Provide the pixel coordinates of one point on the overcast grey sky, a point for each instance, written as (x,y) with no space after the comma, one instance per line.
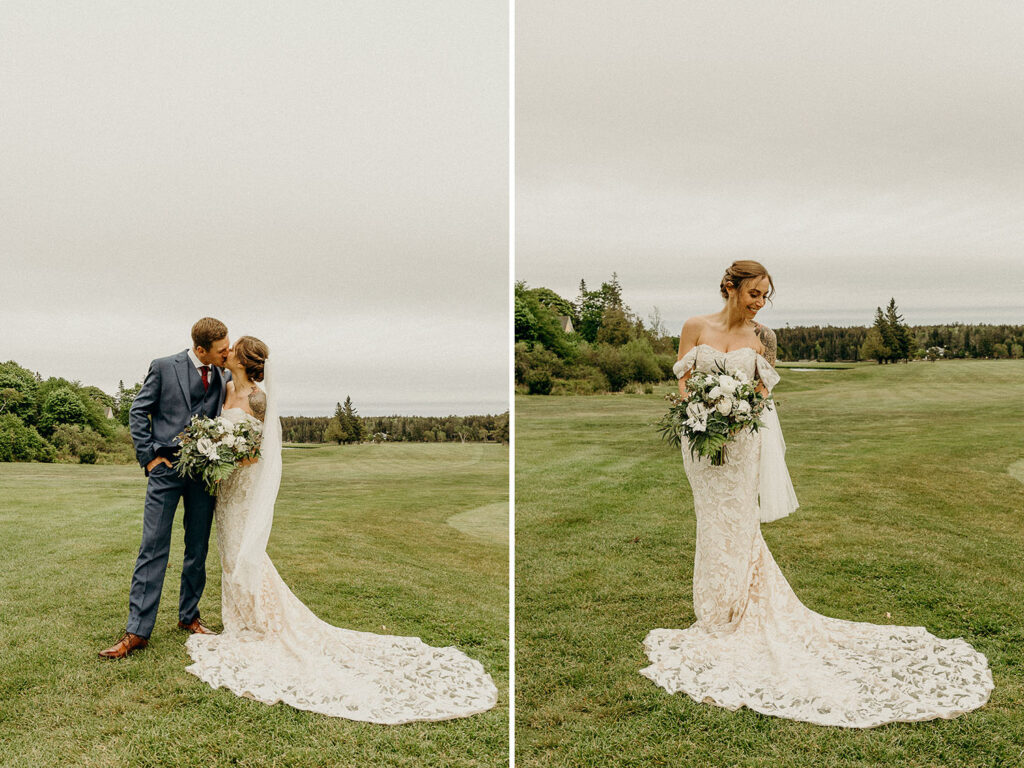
(330,177)
(859,150)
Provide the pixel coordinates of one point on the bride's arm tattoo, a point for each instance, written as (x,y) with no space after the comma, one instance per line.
(258,403)
(767,337)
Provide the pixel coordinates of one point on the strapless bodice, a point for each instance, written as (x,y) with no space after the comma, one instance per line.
(705,358)
(237,416)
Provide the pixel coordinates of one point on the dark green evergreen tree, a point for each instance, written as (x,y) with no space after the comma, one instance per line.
(902,338)
(592,306)
(589,311)
(353,424)
(873,348)
(335,432)
(123,400)
(888,336)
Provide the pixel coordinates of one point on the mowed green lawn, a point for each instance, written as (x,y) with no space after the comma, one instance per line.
(909,507)
(361,535)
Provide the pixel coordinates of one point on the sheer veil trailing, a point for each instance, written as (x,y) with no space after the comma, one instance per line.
(266,482)
(776,496)
(274,649)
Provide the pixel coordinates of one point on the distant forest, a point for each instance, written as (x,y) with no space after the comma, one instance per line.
(840,344)
(56,420)
(346,426)
(595,343)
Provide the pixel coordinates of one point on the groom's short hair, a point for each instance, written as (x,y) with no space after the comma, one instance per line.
(206,331)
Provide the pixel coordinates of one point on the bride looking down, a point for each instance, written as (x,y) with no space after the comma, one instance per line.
(754,643)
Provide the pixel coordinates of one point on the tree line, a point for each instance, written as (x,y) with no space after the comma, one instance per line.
(856,343)
(59,420)
(346,426)
(595,343)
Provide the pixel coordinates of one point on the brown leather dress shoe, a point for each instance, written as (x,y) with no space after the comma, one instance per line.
(127,644)
(196,627)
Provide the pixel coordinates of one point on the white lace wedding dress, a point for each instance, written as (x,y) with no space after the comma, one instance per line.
(273,648)
(755,644)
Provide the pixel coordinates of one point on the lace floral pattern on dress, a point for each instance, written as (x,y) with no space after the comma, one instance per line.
(273,648)
(755,644)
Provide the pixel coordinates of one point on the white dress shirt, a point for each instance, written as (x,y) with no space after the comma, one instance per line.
(197,362)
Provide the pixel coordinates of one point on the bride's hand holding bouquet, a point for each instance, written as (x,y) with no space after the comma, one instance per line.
(211,449)
(716,407)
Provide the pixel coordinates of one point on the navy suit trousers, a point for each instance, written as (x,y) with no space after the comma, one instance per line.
(166,487)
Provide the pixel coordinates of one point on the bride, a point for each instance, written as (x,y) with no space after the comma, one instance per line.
(273,648)
(754,643)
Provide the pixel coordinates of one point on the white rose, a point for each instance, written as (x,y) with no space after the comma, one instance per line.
(206,447)
(743,407)
(696,411)
(724,406)
(728,384)
(240,444)
(716,392)
(228,440)
(697,425)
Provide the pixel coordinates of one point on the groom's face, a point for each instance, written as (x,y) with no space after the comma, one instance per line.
(217,354)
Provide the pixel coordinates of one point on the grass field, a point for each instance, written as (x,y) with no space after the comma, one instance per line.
(369,537)
(910,484)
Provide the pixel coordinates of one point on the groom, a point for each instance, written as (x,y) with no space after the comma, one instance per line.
(190,383)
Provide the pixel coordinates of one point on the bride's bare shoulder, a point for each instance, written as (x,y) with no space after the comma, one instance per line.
(693,328)
(691,333)
(696,323)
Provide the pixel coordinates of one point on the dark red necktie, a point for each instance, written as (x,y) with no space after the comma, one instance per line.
(205,370)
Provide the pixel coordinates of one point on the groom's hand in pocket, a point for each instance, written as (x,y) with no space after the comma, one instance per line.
(158,460)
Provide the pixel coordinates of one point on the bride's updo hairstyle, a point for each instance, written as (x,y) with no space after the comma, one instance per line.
(252,354)
(740,271)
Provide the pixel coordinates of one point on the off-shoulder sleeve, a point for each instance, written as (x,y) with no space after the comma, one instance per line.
(766,373)
(685,363)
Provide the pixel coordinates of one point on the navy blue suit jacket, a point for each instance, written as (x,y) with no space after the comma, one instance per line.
(163,407)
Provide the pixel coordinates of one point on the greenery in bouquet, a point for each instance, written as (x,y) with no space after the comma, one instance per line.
(717,406)
(211,449)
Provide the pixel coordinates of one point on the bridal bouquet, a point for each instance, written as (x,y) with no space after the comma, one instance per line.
(717,406)
(211,449)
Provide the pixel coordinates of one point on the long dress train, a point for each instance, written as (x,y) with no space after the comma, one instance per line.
(755,644)
(273,648)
